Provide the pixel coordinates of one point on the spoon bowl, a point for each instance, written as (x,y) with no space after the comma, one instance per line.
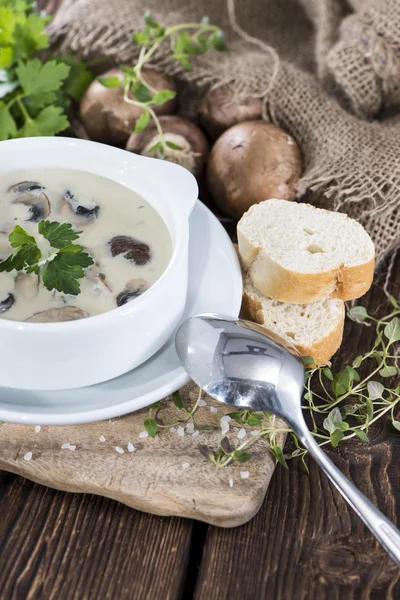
(246,366)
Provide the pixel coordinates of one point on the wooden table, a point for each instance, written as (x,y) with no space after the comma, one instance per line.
(304,543)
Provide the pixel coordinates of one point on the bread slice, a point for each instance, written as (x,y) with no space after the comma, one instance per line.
(298,253)
(315,329)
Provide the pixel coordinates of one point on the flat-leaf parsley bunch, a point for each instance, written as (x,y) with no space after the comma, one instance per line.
(34,95)
(61,268)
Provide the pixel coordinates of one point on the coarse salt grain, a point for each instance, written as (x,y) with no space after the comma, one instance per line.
(181,431)
(28,456)
(236,429)
(213,409)
(255,431)
(119,450)
(131,447)
(196,432)
(242,433)
(172,429)
(224,426)
(225,418)
(231,483)
(190,427)
(202,402)
(102,438)
(185,465)
(143,434)
(37,428)
(244,474)
(68,447)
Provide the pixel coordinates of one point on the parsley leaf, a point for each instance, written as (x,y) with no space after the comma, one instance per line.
(58,235)
(62,273)
(8,127)
(49,121)
(27,254)
(37,78)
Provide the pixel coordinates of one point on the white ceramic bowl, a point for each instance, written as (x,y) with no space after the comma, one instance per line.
(55,356)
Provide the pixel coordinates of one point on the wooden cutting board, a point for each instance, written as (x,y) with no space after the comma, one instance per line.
(166,475)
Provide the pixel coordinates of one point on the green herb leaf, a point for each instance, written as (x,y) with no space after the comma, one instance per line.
(328,373)
(342,425)
(148,19)
(394,302)
(330,421)
(78,80)
(157,146)
(141,92)
(141,38)
(218,41)
(57,234)
(172,145)
(151,427)
(336,436)
(392,331)
(396,424)
(277,452)
(308,360)
(357,361)
(361,435)
(370,408)
(241,456)
(110,82)
(37,78)
(177,398)
(49,121)
(388,371)
(375,389)
(254,420)
(63,272)
(26,255)
(163,96)
(142,122)
(359,313)
(8,127)
(237,416)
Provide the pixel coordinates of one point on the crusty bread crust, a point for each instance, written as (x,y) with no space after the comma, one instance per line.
(321,351)
(275,281)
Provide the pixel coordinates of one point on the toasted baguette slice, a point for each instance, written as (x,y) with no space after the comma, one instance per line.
(315,329)
(298,253)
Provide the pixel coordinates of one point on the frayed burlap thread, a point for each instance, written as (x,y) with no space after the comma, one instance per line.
(279,51)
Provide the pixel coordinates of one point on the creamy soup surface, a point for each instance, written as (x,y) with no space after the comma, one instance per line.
(123,233)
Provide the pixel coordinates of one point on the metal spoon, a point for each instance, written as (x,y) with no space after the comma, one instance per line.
(245,365)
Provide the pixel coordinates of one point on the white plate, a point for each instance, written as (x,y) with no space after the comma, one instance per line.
(215,285)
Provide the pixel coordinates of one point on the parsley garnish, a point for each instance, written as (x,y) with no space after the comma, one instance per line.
(34,95)
(61,269)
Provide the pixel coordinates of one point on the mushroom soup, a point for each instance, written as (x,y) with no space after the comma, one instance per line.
(125,236)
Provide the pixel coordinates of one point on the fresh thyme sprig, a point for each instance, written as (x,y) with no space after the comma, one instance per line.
(186,40)
(341,405)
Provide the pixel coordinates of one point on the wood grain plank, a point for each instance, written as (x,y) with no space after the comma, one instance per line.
(59,545)
(306,543)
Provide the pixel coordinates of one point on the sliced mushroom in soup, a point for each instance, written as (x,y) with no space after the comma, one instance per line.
(125,236)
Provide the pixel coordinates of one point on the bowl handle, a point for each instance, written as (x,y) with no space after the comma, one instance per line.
(184,183)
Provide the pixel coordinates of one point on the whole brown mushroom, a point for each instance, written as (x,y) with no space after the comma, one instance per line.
(219,109)
(106,116)
(251,162)
(192,141)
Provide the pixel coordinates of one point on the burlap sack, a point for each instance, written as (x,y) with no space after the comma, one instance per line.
(287,52)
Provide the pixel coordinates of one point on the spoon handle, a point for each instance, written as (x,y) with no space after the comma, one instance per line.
(383,529)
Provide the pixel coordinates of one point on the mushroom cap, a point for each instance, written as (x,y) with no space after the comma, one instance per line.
(108,118)
(53,315)
(38,202)
(132,249)
(6,303)
(133,289)
(251,162)
(218,110)
(177,126)
(83,214)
